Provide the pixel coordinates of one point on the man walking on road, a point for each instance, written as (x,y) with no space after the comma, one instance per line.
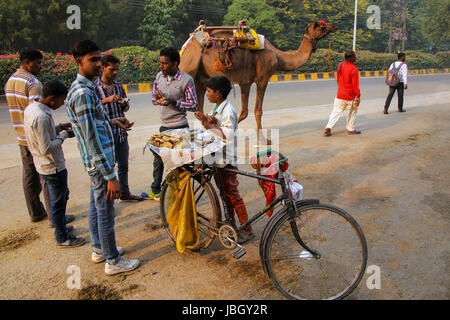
(95,139)
(174,93)
(348,95)
(112,95)
(402,85)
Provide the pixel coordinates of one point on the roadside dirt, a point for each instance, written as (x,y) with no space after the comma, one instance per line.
(393,178)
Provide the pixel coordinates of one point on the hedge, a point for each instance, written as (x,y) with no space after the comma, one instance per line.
(141,65)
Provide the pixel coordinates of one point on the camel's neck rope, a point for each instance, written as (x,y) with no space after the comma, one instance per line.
(313,42)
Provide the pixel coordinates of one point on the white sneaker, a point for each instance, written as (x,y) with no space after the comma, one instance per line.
(99,257)
(123,265)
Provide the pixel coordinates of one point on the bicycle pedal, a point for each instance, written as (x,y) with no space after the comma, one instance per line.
(238,252)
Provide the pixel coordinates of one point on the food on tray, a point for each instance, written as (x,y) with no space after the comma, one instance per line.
(175,141)
(165,140)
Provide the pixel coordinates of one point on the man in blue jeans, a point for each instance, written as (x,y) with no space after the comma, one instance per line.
(112,95)
(45,140)
(93,130)
(174,93)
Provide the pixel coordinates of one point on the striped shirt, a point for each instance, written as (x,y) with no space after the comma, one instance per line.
(92,127)
(190,103)
(114,109)
(21,89)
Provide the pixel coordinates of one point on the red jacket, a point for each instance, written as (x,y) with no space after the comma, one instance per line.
(348,81)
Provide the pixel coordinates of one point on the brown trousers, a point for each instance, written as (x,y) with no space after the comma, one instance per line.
(235,203)
(33,185)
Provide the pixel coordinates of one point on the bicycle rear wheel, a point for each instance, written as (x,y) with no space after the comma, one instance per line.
(208,211)
(327,230)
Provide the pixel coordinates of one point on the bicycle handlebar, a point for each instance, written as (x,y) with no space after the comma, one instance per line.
(283,158)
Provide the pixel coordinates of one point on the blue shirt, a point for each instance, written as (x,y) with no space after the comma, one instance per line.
(92,127)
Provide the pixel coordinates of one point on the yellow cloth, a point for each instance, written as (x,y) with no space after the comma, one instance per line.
(249,34)
(182,216)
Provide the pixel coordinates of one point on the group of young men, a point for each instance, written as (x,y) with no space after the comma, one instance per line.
(95,105)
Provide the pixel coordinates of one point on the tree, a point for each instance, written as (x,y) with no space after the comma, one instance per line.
(436,23)
(169,22)
(42,24)
(258,15)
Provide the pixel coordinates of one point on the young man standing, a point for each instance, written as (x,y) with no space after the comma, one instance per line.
(95,140)
(348,95)
(112,94)
(401,86)
(44,141)
(22,89)
(174,92)
(222,121)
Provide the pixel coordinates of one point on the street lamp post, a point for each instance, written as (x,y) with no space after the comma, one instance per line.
(354,28)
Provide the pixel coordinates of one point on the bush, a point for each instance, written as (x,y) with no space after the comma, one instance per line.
(137,64)
(443,58)
(320,61)
(8,65)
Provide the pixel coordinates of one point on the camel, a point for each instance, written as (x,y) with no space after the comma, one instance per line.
(249,66)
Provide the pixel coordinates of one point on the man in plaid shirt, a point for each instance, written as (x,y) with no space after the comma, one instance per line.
(93,131)
(112,95)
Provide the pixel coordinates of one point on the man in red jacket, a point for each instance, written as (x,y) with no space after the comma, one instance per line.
(348,95)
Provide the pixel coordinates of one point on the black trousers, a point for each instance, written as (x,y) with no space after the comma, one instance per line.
(33,185)
(400,88)
(158,165)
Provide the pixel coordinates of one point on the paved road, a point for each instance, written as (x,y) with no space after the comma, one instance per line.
(393,178)
(281,95)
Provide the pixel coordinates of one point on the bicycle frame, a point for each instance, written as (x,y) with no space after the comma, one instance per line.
(286,197)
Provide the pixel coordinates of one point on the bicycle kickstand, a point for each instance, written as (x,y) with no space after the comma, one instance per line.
(239,251)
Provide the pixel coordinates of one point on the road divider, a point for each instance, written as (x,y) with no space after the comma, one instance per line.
(147,87)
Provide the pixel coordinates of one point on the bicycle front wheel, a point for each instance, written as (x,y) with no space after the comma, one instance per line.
(208,211)
(330,232)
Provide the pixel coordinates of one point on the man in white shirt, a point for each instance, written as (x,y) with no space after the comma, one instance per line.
(401,86)
(222,121)
(45,140)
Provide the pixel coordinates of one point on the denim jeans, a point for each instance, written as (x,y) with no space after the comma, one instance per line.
(59,194)
(122,154)
(158,165)
(101,219)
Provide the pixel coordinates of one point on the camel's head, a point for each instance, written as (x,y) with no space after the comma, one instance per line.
(318,30)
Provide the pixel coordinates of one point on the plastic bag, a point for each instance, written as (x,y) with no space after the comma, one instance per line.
(295,187)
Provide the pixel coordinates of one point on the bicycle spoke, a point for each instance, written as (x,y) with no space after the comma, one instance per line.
(335,236)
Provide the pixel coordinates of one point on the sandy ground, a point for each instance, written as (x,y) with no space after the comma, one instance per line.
(394,179)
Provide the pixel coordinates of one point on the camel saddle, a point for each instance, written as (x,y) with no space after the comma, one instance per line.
(224,39)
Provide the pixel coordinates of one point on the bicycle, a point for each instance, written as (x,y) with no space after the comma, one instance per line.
(310,250)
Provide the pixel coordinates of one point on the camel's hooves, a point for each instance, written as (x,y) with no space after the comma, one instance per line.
(242,117)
